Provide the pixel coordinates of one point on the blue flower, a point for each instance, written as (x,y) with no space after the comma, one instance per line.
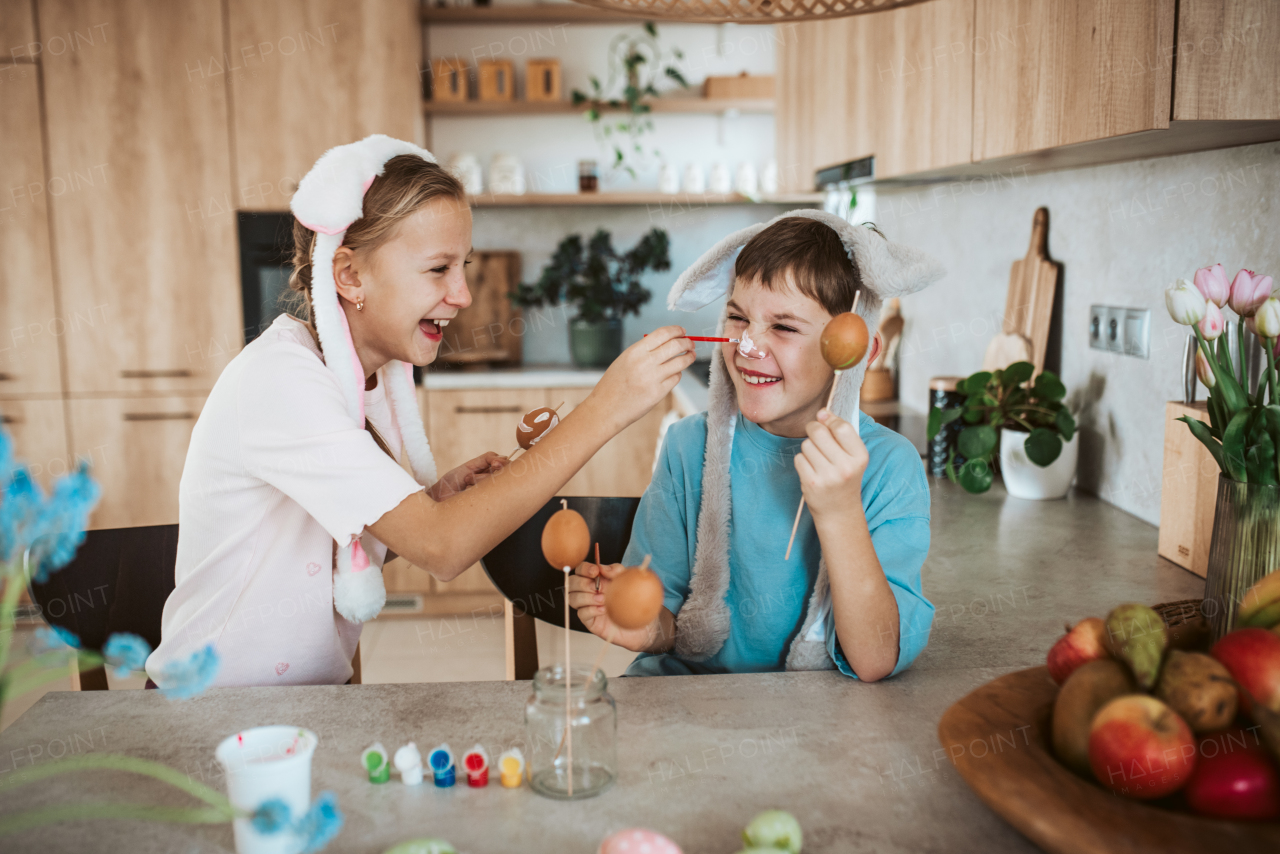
(48,638)
(183,680)
(271,816)
(321,823)
(126,652)
(6,455)
(18,509)
(59,528)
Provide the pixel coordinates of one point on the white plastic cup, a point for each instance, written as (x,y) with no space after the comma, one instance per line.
(261,764)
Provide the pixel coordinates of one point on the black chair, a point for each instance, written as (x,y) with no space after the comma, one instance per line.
(533,588)
(117,582)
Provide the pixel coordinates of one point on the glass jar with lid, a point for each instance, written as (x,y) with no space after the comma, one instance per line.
(593,721)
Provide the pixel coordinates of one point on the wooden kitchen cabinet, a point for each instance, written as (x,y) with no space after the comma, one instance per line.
(1228,65)
(39,432)
(137,447)
(307,75)
(145,233)
(17,33)
(30,323)
(897,85)
(1059,72)
(624,466)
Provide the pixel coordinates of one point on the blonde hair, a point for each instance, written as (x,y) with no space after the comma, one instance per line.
(407,184)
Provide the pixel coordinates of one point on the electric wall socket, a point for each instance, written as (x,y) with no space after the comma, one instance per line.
(1120,330)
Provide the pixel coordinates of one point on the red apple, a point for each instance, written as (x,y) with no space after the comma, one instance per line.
(1252,657)
(1140,748)
(1085,642)
(1234,778)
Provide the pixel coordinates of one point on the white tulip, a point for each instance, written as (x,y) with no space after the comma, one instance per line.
(1267,319)
(1186,304)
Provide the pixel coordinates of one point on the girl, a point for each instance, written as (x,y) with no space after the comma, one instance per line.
(292,495)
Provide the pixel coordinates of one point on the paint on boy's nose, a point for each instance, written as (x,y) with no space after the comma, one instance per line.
(748,349)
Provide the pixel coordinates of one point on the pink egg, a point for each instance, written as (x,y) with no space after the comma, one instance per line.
(637,840)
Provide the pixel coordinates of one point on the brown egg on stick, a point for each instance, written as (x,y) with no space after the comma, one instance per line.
(634,599)
(844,341)
(535,425)
(565,538)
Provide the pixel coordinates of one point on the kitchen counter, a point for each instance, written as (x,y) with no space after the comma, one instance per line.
(858,764)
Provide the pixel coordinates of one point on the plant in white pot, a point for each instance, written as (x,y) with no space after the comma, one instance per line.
(1022,421)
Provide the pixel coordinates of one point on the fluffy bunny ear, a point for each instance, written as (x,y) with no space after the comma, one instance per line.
(331,196)
(888,269)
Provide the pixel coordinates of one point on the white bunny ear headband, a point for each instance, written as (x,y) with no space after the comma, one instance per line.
(887,269)
(329,199)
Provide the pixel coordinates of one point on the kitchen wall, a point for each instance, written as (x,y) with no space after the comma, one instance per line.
(1123,233)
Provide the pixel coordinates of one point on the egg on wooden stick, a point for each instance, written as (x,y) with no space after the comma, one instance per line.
(633,599)
(534,425)
(566,540)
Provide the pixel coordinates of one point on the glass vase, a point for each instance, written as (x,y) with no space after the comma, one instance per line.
(593,720)
(1245,547)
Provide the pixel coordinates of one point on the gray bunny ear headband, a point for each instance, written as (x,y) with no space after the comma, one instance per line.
(887,269)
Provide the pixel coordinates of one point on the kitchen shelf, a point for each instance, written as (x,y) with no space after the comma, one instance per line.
(533,13)
(675,201)
(539,108)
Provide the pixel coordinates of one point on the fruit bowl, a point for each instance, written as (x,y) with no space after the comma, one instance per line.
(1053,807)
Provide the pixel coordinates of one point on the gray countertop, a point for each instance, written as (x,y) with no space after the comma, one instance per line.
(859,765)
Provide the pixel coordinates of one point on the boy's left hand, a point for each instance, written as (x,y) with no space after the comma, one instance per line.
(831,463)
(468,475)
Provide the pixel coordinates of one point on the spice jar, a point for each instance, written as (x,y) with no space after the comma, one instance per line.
(593,720)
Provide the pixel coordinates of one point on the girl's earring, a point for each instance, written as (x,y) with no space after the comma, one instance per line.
(359,305)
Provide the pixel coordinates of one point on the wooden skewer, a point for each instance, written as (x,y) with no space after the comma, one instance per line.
(518,449)
(830,397)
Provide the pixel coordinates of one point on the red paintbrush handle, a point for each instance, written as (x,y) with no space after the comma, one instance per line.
(704,338)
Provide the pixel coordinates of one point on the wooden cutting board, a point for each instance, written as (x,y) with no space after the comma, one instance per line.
(998,738)
(490,330)
(1033,281)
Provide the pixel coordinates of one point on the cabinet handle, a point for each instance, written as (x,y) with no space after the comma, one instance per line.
(159,416)
(4,377)
(9,419)
(155,375)
(485,410)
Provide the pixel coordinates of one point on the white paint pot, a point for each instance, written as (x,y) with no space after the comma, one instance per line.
(263,763)
(1024,479)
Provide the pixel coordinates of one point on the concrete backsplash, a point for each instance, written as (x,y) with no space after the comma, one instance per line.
(1123,233)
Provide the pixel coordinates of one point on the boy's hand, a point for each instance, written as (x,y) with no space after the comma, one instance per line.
(589,604)
(643,375)
(468,475)
(831,463)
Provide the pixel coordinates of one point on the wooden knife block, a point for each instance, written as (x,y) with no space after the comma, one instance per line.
(1188,491)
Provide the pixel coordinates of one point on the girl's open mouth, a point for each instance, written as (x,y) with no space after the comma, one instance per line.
(433,329)
(758,379)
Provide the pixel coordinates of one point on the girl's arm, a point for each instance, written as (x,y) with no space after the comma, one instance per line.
(831,464)
(446,537)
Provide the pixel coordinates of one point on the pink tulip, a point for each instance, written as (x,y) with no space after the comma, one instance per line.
(1211,324)
(1203,371)
(1248,292)
(1212,283)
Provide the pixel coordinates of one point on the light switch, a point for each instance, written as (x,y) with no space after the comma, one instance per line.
(1113,329)
(1097,319)
(1137,324)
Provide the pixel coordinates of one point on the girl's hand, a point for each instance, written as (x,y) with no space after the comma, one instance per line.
(468,475)
(643,375)
(589,604)
(831,463)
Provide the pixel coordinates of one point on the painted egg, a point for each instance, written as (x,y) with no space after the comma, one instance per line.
(532,427)
(634,598)
(565,539)
(844,341)
(638,841)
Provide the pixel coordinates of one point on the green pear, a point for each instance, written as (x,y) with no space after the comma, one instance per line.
(1138,636)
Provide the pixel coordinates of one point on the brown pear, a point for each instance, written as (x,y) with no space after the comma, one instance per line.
(1199,688)
(1088,689)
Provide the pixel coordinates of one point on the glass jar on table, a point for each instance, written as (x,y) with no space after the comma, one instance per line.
(593,722)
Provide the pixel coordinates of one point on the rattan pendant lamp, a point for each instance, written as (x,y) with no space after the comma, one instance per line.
(746,11)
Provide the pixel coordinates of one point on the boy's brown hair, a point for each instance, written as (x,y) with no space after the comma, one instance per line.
(814,256)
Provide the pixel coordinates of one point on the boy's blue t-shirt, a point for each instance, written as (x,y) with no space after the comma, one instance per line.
(768,597)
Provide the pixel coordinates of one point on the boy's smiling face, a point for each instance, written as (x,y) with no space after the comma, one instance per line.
(783,391)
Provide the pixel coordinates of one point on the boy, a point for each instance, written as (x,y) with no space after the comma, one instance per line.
(718,513)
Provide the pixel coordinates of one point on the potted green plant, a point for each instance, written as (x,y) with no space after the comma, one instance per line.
(601,284)
(639,60)
(1025,421)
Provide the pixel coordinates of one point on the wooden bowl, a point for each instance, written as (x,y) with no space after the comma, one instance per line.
(998,737)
